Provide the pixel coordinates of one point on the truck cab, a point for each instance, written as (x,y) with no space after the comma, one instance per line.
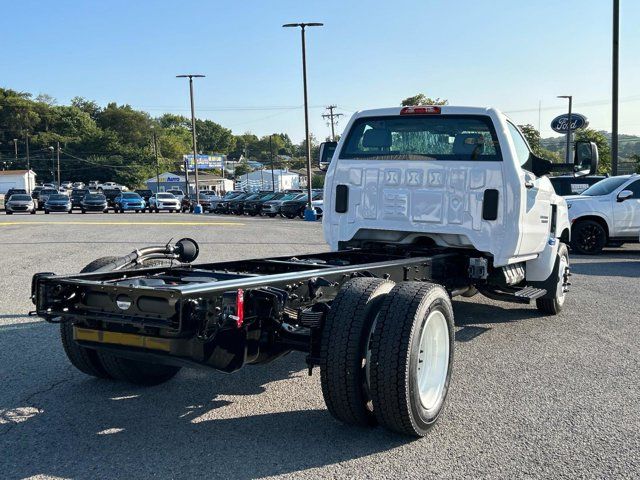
(447,176)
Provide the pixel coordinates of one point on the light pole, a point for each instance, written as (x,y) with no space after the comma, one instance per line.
(273,181)
(614,88)
(310,213)
(15,147)
(53,175)
(58,158)
(26,144)
(197,208)
(570,98)
(155,152)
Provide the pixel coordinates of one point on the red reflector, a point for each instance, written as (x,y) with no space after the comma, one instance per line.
(419,110)
(240,307)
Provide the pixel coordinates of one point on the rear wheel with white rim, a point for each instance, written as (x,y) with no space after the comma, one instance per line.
(553,304)
(411,357)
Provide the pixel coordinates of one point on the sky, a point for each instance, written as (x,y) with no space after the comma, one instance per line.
(513,55)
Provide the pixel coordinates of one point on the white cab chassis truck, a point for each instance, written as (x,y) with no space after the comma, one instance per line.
(421,204)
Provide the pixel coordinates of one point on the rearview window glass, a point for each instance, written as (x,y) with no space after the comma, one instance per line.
(419,137)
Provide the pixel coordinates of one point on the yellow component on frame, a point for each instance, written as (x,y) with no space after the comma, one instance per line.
(117,338)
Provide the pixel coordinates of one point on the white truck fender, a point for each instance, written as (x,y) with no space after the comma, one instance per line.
(539,269)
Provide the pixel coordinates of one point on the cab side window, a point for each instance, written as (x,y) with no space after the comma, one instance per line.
(522,149)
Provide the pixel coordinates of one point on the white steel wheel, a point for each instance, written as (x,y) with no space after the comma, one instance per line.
(433,361)
(411,357)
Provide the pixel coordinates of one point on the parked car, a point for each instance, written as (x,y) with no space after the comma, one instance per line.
(79,185)
(129,201)
(108,186)
(254,207)
(35,192)
(111,194)
(44,194)
(163,201)
(207,199)
(295,208)
(13,191)
(271,208)
(569,185)
(176,192)
(222,205)
(94,202)
(607,213)
(19,202)
(236,206)
(76,197)
(57,202)
(144,193)
(67,185)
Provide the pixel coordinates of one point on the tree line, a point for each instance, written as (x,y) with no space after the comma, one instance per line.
(116,142)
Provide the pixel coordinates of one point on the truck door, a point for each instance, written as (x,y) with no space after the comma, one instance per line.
(536,193)
(626,213)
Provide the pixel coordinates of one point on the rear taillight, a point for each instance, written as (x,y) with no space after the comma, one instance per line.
(240,307)
(420,110)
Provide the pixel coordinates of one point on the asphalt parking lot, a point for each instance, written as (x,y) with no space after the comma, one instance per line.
(532,396)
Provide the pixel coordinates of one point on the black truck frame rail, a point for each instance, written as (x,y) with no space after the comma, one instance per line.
(228,314)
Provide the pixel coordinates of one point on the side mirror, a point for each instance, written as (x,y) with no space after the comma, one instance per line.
(624,195)
(327,149)
(585,159)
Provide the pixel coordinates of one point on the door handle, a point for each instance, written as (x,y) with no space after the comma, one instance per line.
(528,183)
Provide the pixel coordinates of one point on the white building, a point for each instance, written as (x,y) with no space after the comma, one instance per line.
(261,180)
(17,179)
(207,182)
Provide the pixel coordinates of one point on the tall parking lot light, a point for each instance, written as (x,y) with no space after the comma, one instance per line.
(310,213)
(570,98)
(197,208)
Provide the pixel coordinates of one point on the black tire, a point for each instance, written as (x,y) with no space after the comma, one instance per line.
(588,237)
(136,371)
(271,215)
(46,212)
(395,356)
(83,211)
(107,365)
(290,216)
(553,304)
(84,359)
(33,212)
(344,346)
(8,212)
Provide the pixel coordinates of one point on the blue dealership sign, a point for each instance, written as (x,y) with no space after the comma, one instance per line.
(560,124)
(205,162)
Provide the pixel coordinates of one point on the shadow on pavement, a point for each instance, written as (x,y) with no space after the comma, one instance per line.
(79,427)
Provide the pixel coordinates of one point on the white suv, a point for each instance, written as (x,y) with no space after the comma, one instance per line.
(607,213)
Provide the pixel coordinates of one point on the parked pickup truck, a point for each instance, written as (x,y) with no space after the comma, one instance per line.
(607,213)
(420,204)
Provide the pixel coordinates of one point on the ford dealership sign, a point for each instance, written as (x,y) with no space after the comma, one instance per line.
(560,124)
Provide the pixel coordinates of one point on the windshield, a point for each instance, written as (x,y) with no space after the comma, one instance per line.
(165,195)
(58,197)
(95,196)
(176,192)
(130,195)
(230,195)
(79,193)
(20,198)
(433,137)
(604,187)
(48,191)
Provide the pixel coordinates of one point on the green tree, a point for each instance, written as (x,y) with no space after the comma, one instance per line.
(533,137)
(131,126)
(214,138)
(422,99)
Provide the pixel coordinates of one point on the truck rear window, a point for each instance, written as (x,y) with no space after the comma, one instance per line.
(420,137)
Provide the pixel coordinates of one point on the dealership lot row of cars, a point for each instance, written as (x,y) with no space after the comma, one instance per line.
(290,204)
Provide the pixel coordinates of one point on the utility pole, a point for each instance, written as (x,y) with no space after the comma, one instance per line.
(155,152)
(273,181)
(28,162)
(614,88)
(332,116)
(310,213)
(15,147)
(197,207)
(568,157)
(58,157)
